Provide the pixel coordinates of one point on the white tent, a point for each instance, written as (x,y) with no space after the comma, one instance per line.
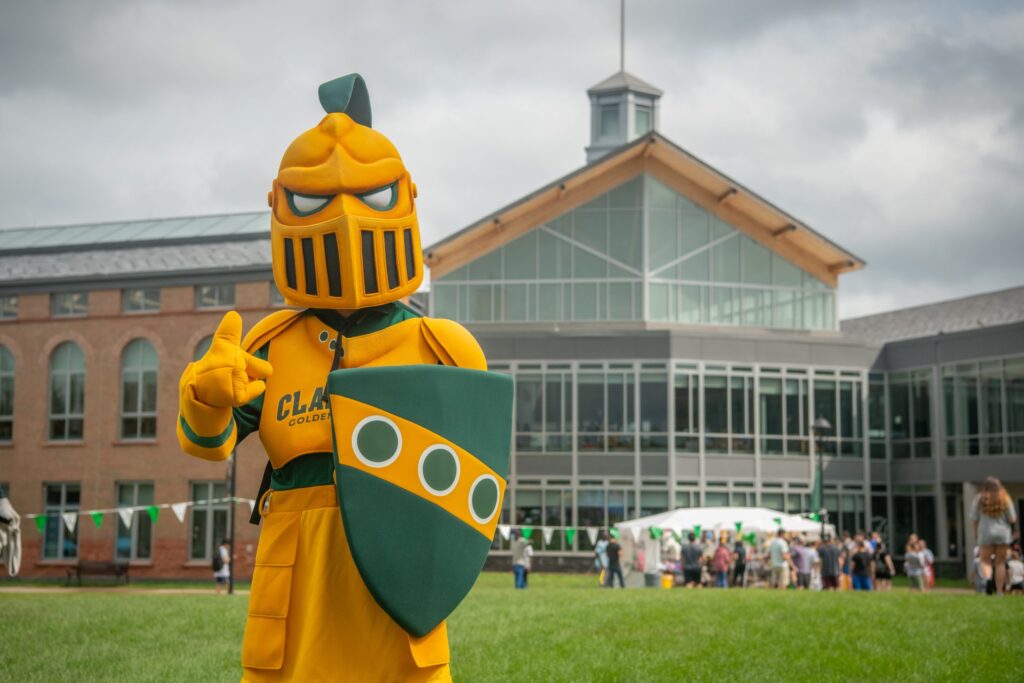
(750,520)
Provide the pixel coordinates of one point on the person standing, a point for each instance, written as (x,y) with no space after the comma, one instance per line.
(831,555)
(929,563)
(222,565)
(720,564)
(601,557)
(739,567)
(778,556)
(1015,573)
(994,522)
(520,558)
(802,563)
(913,563)
(614,551)
(884,569)
(863,565)
(692,554)
(815,562)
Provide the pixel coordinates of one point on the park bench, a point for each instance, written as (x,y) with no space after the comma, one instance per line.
(97,568)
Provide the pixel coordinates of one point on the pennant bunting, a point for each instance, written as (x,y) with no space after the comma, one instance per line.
(592,535)
(696,531)
(126,515)
(40,522)
(548,533)
(505,530)
(70,521)
(154,512)
(97,518)
(252,505)
(527,532)
(570,534)
(739,525)
(614,533)
(636,531)
(655,533)
(179,510)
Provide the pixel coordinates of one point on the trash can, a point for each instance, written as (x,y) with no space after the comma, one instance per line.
(667,581)
(651,580)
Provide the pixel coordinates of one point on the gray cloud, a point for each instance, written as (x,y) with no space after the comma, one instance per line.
(895,129)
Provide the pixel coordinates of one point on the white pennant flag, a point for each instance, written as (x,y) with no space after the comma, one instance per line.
(70,521)
(179,510)
(548,533)
(126,515)
(592,534)
(505,530)
(252,505)
(636,531)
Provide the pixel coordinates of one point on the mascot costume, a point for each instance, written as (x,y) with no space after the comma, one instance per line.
(388,442)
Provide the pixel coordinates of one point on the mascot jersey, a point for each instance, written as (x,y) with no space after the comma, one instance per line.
(345,249)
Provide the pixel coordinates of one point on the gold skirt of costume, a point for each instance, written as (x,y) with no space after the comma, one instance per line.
(311,618)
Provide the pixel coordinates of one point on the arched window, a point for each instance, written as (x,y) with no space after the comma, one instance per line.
(67,392)
(139,367)
(202,347)
(6,395)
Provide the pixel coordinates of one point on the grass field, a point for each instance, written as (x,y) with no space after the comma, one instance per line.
(562,629)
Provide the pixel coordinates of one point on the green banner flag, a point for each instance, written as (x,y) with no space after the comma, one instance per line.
(655,533)
(527,532)
(570,534)
(614,533)
(97,518)
(40,522)
(739,525)
(696,530)
(154,512)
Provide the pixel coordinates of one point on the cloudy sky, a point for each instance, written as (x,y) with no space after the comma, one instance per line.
(894,128)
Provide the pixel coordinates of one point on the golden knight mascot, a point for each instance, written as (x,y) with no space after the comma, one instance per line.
(388,442)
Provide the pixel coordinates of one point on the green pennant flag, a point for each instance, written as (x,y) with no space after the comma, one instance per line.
(815,516)
(97,518)
(154,512)
(739,525)
(777,520)
(655,533)
(696,530)
(40,522)
(570,534)
(614,533)
(527,532)
(752,538)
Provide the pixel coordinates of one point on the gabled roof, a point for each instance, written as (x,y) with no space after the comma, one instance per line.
(691,177)
(624,81)
(991,309)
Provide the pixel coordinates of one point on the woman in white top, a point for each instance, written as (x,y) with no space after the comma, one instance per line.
(995,523)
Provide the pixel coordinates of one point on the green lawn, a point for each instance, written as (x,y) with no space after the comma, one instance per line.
(562,629)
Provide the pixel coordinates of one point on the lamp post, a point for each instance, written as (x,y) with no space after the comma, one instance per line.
(820,427)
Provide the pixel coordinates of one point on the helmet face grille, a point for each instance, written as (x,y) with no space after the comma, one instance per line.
(351,263)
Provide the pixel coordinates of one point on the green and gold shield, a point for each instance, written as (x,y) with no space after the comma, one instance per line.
(421,463)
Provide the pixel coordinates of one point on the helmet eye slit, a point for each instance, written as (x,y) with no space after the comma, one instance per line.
(381,199)
(306,204)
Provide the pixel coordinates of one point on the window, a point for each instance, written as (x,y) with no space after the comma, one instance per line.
(910,406)
(202,347)
(8,307)
(276,298)
(69,304)
(609,120)
(215,296)
(642,122)
(653,411)
(876,415)
(6,395)
(209,518)
(67,393)
(135,542)
(543,405)
(914,512)
(686,427)
(139,367)
(140,300)
(58,542)
(984,407)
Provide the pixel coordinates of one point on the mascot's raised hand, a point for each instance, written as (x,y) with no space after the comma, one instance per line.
(226,376)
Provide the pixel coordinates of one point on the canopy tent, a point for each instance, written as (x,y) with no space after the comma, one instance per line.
(750,520)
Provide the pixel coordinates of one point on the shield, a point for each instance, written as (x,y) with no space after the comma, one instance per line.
(421,462)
